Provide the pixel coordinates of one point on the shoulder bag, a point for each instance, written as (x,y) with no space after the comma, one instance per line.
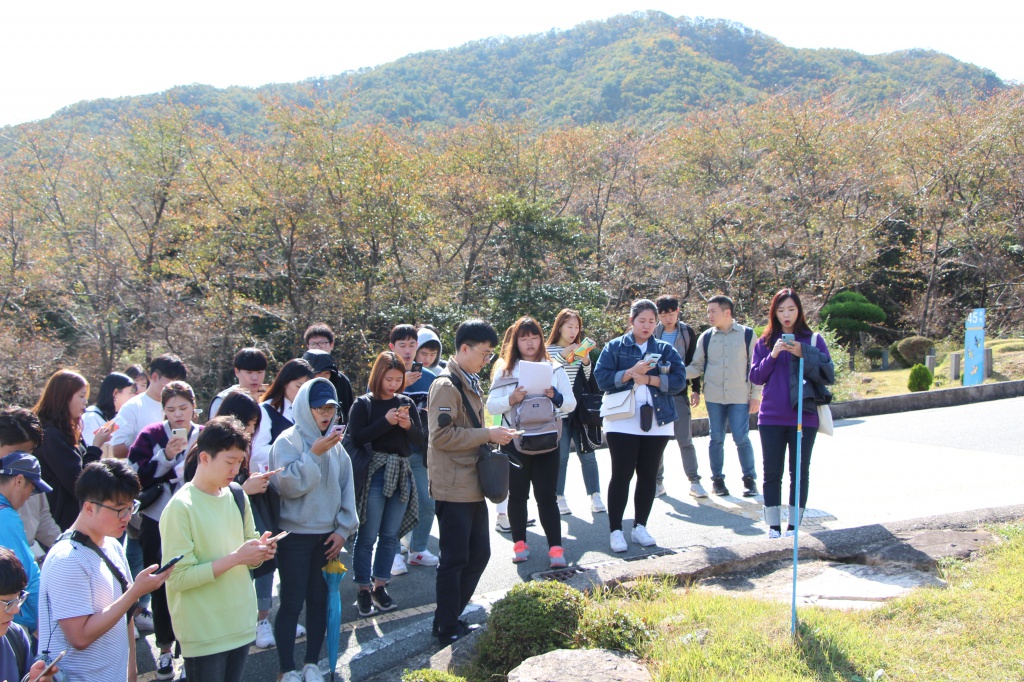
(492,466)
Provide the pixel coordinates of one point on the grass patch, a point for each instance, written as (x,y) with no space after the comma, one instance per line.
(971,631)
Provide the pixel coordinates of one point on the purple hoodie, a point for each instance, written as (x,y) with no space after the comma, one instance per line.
(773,374)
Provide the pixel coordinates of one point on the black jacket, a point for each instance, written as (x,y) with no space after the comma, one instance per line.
(61,463)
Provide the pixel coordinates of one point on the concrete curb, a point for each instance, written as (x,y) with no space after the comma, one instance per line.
(831,545)
(907,402)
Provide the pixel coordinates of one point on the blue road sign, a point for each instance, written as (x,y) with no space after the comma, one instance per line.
(974,348)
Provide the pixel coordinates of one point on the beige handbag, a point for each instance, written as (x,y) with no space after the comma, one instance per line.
(619,405)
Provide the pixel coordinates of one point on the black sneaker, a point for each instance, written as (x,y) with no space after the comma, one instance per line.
(165,667)
(462,628)
(750,486)
(383,600)
(718,487)
(365,604)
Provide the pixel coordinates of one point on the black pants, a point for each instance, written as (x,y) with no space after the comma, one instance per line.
(300,562)
(631,453)
(149,541)
(227,666)
(465,543)
(775,440)
(542,472)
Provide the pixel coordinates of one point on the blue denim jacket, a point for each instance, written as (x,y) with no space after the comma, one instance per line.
(622,353)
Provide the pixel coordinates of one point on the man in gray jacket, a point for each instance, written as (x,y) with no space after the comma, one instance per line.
(723,355)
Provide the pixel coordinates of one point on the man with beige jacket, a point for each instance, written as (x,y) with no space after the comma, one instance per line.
(455,438)
(723,355)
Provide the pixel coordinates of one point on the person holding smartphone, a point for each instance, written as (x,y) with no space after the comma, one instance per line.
(383,427)
(16,660)
(209,523)
(318,509)
(654,371)
(158,454)
(775,366)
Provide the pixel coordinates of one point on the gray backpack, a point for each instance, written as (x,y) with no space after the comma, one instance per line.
(538,418)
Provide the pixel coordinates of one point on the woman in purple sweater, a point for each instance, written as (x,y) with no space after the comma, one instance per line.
(775,365)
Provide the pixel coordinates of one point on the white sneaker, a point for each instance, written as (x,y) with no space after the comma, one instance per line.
(292,676)
(597,504)
(697,490)
(788,534)
(501,524)
(398,567)
(660,490)
(311,673)
(299,631)
(641,536)
(265,635)
(424,558)
(144,620)
(563,508)
(774,534)
(618,541)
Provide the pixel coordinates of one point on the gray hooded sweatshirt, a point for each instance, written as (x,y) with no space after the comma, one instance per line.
(317,495)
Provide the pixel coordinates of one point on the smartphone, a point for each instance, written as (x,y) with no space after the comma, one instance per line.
(168,565)
(652,358)
(271,473)
(789,338)
(49,669)
(278,536)
(417,367)
(403,408)
(179,433)
(338,429)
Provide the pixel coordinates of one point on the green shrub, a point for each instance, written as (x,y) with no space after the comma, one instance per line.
(920,378)
(895,359)
(914,349)
(873,353)
(532,619)
(607,627)
(430,675)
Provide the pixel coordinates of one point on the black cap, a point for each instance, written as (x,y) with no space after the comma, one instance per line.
(319,360)
(322,393)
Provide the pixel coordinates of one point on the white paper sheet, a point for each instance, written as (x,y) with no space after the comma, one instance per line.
(535,377)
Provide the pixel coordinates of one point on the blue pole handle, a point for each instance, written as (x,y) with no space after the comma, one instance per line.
(799,458)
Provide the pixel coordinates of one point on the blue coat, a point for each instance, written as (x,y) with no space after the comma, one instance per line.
(622,353)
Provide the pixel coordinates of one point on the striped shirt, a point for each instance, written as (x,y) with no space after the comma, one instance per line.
(571,369)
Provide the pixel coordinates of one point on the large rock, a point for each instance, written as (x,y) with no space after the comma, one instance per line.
(572,665)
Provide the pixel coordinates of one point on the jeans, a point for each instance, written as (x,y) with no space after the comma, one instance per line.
(300,561)
(542,472)
(684,436)
(149,541)
(465,541)
(264,591)
(631,453)
(421,533)
(775,441)
(133,552)
(588,461)
(383,518)
(738,418)
(227,666)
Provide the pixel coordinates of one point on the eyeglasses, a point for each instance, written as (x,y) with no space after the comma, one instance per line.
(488,355)
(123,512)
(13,605)
(325,409)
(318,344)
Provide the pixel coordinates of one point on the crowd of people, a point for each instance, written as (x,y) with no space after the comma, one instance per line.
(134,514)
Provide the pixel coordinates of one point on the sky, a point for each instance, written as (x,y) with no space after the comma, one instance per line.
(57,52)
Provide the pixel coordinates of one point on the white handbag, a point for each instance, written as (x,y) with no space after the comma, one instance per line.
(619,405)
(825,424)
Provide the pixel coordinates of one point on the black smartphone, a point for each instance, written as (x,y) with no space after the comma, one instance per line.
(417,367)
(168,565)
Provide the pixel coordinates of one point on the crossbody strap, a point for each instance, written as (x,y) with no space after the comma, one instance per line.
(84,540)
(465,402)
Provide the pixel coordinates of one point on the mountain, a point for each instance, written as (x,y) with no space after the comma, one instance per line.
(639,67)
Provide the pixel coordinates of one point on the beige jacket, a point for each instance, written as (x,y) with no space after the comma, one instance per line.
(726,369)
(454,441)
(40,528)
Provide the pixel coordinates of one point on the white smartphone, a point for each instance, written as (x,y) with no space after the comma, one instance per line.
(278,536)
(48,670)
(179,433)
(652,358)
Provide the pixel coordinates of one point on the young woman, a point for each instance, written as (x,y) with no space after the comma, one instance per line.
(64,453)
(318,510)
(385,426)
(526,342)
(566,335)
(775,365)
(115,391)
(653,370)
(158,455)
(276,404)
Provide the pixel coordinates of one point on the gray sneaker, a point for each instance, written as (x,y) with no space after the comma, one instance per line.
(697,490)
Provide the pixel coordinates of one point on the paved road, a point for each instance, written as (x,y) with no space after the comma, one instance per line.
(875,469)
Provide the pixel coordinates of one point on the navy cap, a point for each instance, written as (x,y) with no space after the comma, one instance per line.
(322,393)
(23,464)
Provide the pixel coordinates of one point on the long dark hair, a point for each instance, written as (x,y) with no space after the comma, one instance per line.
(241,406)
(774,328)
(292,370)
(54,404)
(115,381)
(524,326)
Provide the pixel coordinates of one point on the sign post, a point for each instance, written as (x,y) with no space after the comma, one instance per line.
(974,348)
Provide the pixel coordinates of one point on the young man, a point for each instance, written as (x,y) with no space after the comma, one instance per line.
(20,479)
(146,408)
(20,431)
(684,340)
(210,525)
(428,353)
(250,370)
(723,356)
(86,592)
(455,436)
(319,338)
(16,659)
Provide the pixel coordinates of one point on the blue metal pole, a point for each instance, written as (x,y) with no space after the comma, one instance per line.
(799,453)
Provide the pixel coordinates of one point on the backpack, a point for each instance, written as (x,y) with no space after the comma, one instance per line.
(538,417)
(748,336)
(16,638)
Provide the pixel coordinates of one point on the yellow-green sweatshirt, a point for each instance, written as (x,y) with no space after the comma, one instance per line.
(210,615)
